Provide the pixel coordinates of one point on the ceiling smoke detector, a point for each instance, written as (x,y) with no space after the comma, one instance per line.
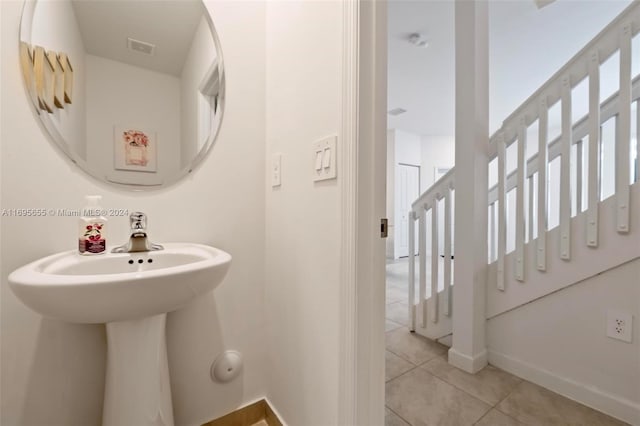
(418,40)
(143,47)
(396,111)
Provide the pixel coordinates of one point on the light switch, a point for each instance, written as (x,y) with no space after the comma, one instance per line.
(276,169)
(324,158)
(318,160)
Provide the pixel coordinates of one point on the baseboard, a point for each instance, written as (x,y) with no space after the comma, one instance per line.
(620,408)
(446,340)
(274,415)
(259,411)
(466,363)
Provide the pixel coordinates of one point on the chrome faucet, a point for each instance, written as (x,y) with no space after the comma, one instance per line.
(138,241)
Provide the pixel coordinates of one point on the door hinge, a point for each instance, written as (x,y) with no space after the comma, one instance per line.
(384,227)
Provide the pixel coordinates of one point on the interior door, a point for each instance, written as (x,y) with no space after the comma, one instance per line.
(408,191)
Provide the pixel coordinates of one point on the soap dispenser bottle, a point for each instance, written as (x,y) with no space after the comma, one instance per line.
(92,228)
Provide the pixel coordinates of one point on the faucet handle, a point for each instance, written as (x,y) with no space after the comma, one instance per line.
(138,221)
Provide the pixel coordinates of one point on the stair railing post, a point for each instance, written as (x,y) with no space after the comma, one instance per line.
(469,351)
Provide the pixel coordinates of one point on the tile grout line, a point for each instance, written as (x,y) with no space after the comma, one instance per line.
(403,419)
(483,416)
(507,396)
(460,389)
(410,362)
(400,375)
(510,392)
(492,406)
(456,386)
(513,418)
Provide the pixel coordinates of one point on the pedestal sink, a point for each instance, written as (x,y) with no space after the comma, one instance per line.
(131,293)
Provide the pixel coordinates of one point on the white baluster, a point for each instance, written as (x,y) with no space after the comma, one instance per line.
(532,211)
(502,211)
(493,253)
(578,177)
(543,154)
(447,252)
(412,271)
(520,224)
(434,259)
(637,165)
(565,172)
(422,252)
(593,171)
(623,138)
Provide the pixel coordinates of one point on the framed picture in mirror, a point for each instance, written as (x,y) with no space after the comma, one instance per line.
(135,149)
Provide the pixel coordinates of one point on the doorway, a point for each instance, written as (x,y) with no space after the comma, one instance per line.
(408,190)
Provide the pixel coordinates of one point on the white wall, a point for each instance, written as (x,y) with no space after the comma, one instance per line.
(391,190)
(54,27)
(408,147)
(119,94)
(437,151)
(199,60)
(303,232)
(562,345)
(52,372)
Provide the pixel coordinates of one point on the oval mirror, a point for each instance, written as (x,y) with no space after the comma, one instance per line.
(131,91)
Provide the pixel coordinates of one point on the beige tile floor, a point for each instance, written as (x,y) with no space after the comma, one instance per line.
(422,389)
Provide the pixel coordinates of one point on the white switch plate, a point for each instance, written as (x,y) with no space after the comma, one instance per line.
(619,325)
(276,170)
(326,149)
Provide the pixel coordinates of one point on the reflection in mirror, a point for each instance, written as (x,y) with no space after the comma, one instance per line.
(132,91)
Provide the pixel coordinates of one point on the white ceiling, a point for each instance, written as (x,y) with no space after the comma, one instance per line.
(527,45)
(420,80)
(105,26)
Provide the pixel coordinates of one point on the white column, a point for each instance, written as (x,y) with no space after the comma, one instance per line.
(137,390)
(469,350)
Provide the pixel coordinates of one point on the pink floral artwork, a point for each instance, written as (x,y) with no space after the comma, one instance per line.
(135,149)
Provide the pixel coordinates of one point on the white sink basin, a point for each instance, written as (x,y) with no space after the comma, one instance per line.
(131,293)
(108,288)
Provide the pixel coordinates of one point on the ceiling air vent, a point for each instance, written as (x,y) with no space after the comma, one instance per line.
(141,47)
(397,111)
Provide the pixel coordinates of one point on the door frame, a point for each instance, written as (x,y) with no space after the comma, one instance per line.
(363,198)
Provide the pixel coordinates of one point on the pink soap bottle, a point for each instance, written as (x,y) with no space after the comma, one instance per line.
(92,228)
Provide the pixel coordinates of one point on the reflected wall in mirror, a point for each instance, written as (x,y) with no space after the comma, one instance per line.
(132,91)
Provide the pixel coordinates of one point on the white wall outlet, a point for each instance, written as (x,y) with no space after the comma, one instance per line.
(324,159)
(619,325)
(276,170)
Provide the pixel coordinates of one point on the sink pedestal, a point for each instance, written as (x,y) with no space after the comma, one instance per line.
(137,389)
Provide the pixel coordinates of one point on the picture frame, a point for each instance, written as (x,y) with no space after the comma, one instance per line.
(135,149)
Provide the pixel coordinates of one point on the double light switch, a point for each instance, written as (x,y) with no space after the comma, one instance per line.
(324,159)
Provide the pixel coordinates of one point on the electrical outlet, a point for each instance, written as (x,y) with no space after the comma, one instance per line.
(276,170)
(619,325)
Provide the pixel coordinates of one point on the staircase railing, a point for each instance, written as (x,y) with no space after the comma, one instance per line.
(580,180)
(435,202)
